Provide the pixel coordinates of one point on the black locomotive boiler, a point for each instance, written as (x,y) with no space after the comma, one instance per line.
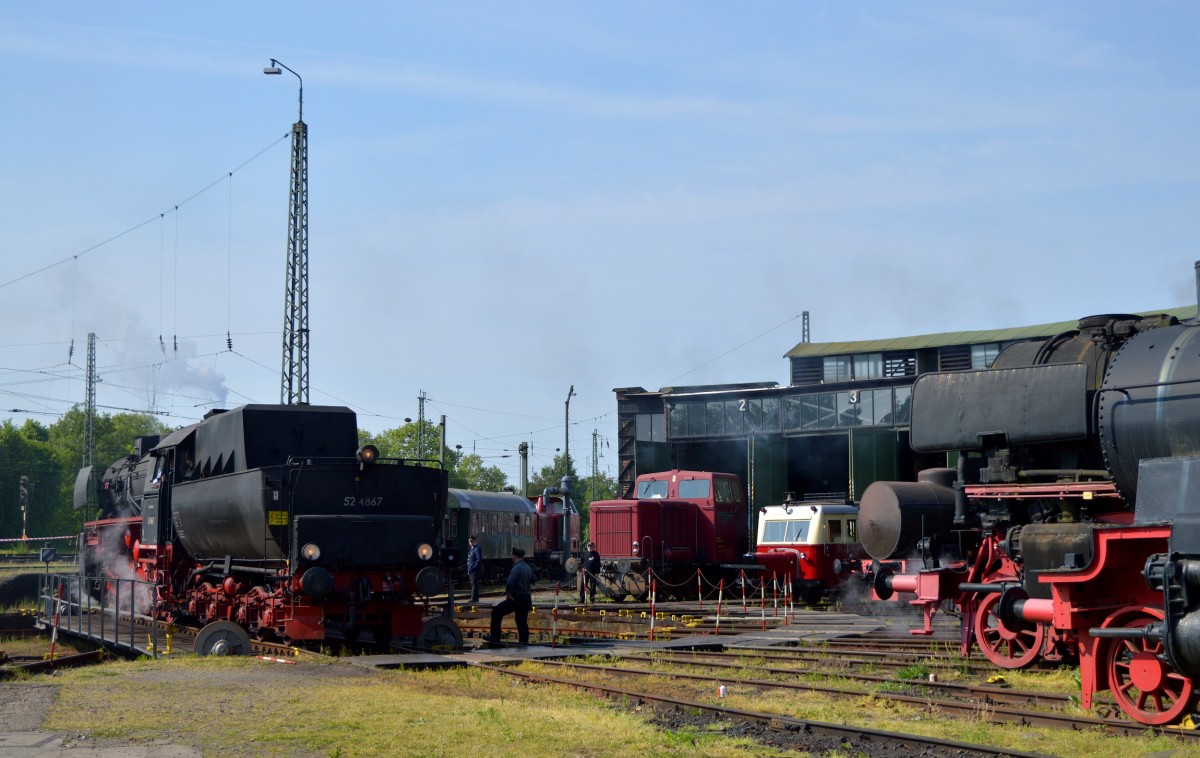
(270,521)
(1068,526)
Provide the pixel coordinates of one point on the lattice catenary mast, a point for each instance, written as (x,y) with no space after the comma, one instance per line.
(294,387)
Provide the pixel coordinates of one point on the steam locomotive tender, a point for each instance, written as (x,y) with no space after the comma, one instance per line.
(268,520)
(1070,526)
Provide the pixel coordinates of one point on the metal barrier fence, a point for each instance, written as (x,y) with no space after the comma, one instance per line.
(114,612)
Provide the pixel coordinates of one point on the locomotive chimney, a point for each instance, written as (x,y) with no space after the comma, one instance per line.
(1196,266)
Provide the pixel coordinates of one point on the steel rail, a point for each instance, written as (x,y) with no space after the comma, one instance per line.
(991,712)
(773,721)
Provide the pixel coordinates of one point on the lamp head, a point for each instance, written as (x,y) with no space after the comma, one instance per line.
(272,69)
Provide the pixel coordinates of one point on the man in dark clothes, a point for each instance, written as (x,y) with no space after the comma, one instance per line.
(518,599)
(589,571)
(474,567)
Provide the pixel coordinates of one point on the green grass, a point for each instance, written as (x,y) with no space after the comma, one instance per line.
(245,707)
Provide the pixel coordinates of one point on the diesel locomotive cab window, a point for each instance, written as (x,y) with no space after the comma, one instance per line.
(726,492)
(652,490)
(694,488)
(785,531)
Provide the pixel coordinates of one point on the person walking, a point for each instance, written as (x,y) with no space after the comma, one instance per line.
(474,566)
(589,570)
(518,599)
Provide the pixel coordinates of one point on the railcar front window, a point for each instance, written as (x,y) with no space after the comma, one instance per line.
(652,490)
(785,531)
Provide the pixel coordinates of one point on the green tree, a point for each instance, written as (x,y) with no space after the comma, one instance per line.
(403,441)
(114,437)
(25,452)
(582,493)
(466,470)
(471,473)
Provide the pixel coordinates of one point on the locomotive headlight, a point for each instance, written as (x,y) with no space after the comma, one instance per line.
(424,551)
(368,454)
(310,551)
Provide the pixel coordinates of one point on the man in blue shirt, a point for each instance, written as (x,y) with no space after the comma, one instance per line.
(518,600)
(474,567)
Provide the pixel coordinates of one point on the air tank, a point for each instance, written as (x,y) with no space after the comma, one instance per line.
(894,516)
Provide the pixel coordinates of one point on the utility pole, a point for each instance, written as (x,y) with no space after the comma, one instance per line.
(89,440)
(595,463)
(23,499)
(294,387)
(421,424)
(442,447)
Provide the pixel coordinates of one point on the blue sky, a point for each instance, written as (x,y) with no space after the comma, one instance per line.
(508,199)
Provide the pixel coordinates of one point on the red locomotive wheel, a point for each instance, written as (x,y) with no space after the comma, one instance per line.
(1142,683)
(1007,648)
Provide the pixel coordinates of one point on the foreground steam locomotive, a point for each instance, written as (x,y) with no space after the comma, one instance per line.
(268,520)
(1070,525)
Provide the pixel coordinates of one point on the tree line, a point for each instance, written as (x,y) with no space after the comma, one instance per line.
(50,457)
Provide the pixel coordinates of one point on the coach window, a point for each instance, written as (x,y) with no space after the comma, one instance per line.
(852,530)
(516,527)
(835,530)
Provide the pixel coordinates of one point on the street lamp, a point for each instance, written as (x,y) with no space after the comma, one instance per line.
(276,68)
(567,428)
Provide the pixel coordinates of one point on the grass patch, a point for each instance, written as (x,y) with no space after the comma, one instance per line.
(265,709)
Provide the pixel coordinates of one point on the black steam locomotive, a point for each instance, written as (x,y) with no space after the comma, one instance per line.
(269,520)
(1068,527)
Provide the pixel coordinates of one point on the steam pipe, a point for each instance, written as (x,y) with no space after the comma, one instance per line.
(564,489)
(960,492)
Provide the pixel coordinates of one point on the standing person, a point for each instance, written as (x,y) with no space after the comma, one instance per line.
(589,571)
(474,566)
(518,599)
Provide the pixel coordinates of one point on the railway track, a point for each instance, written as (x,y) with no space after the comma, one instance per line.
(860,739)
(967,702)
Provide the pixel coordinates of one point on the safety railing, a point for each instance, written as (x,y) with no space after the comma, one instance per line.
(117,613)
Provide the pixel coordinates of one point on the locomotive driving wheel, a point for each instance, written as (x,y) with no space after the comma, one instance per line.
(1141,681)
(440,633)
(223,638)
(1006,647)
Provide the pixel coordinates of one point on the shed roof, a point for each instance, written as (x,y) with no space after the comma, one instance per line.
(811,349)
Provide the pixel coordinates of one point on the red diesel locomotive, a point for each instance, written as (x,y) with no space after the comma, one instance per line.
(688,530)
